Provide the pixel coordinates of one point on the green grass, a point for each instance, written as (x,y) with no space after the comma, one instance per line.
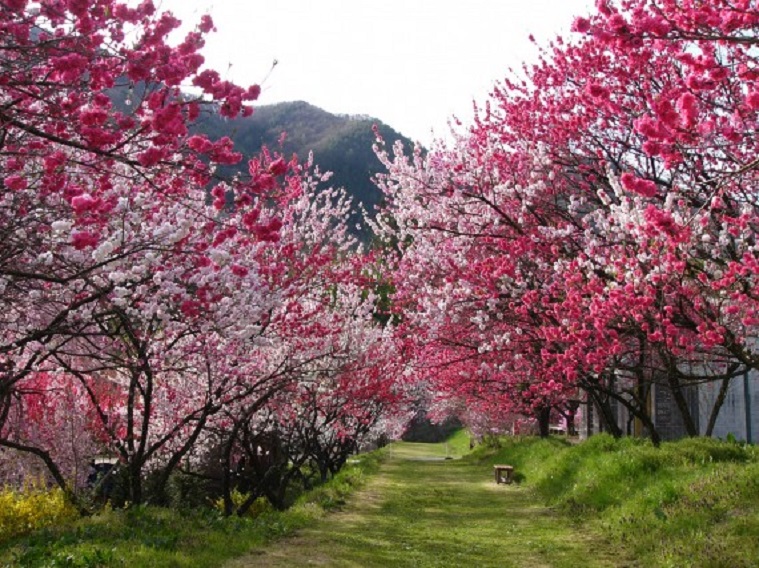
(458,443)
(694,502)
(603,502)
(422,510)
(456,446)
(156,537)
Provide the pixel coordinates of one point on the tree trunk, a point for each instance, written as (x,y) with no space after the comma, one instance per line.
(543,415)
(160,486)
(676,388)
(135,482)
(570,415)
(605,413)
(723,388)
(52,467)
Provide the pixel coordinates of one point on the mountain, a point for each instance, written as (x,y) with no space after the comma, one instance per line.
(341,144)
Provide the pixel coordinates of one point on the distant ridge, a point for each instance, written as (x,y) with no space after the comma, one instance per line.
(341,144)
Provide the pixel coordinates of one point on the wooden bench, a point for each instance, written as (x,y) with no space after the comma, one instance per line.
(503,473)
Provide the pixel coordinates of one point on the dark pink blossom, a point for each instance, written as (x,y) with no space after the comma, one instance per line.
(84,239)
(240,271)
(151,156)
(581,25)
(16,182)
(200,144)
(278,167)
(83,203)
(643,187)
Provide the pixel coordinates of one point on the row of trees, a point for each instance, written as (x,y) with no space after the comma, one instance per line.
(591,236)
(151,310)
(595,232)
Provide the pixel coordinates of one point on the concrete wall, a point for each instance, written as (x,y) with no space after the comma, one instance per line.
(732,417)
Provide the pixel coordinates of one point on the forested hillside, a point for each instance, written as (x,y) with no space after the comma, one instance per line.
(341,144)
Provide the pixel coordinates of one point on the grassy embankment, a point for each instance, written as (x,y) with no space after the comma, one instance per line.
(690,503)
(158,537)
(694,502)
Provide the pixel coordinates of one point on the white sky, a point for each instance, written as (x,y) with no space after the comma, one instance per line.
(410,63)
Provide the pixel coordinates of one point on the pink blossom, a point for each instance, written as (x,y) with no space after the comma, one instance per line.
(278,167)
(84,239)
(193,111)
(84,202)
(581,25)
(203,261)
(231,107)
(169,121)
(752,100)
(98,137)
(223,153)
(125,122)
(618,24)
(263,183)
(597,91)
(16,5)
(206,23)
(664,222)
(250,218)
(649,127)
(643,187)
(200,144)
(69,67)
(78,7)
(253,92)
(652,25)
(687,105)
(150,157)
(206,80)
(651,148)
(93,116)
(697,82)
(240,271)
(190,308)
(15,182)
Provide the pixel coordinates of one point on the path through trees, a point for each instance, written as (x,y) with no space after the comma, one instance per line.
(423,510)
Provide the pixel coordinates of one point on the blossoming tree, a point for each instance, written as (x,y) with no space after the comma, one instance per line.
(596,227)
(158,291)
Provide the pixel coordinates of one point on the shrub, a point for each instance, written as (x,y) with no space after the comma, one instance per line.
(184,491)
(32,508)
(259,506)
(145,535)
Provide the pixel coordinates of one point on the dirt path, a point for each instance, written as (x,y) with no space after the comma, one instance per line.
(423,511)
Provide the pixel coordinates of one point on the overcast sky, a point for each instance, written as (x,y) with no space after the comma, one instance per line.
(410,63)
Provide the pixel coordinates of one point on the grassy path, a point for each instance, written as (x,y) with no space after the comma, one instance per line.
(422,510)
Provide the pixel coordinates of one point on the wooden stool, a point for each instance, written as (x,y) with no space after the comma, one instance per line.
(503,473)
